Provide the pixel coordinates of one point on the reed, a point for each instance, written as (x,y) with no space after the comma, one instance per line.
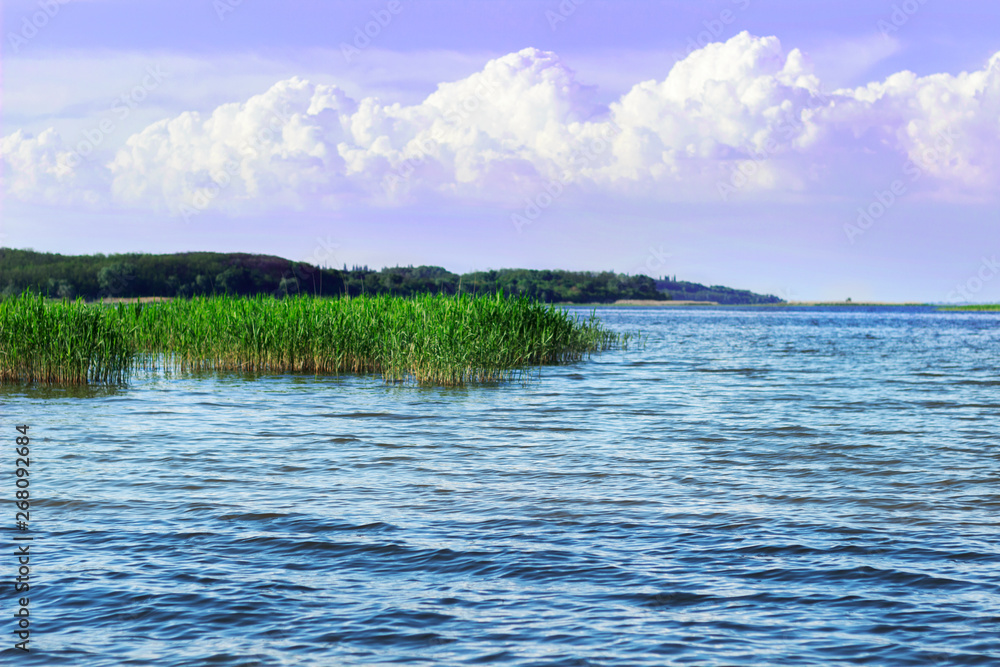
(431,339)
(989,307)
(65,342)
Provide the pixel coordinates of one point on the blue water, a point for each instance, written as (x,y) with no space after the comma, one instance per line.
(764,486)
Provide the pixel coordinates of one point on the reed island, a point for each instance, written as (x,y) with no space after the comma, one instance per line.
(439,339)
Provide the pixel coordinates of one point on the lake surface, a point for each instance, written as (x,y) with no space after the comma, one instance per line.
(759,486)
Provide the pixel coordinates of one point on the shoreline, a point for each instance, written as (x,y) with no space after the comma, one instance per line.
(652,302)
(796,304)
(643,303)
(851,303)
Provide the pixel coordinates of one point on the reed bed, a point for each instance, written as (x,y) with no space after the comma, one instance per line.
(65,343)
(438,340)
(988,307)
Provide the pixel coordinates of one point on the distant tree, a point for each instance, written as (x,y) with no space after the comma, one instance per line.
(202,284)
(116,279)
(288,286)
(65,290)
(187,274)
(392,280)
(234,280)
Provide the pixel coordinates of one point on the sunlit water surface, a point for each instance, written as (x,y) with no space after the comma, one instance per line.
(756,486)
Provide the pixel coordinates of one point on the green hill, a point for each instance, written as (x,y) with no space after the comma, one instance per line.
(685,291)
(197,273)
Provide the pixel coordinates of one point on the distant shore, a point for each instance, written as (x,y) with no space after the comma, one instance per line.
(680,302)
(853,303)
(652,302)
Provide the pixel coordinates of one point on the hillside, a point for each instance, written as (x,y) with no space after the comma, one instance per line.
(198,273)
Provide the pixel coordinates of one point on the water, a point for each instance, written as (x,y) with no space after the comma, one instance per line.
(756,486)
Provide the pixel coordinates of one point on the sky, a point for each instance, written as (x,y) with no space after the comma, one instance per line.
(810,149)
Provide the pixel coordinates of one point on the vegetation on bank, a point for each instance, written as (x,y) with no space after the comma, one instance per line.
(205,273)
(431,339)
(682,290)
(988,307)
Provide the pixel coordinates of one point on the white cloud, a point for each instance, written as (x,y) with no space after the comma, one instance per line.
(44,169)
(525,120)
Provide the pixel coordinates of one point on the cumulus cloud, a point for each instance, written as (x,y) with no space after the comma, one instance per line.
(948,125)
(277,149)
(742,116)
(44,169)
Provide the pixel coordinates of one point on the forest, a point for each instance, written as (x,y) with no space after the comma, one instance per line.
(240,274)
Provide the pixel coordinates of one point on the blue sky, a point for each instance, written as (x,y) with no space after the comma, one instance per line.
(811,149)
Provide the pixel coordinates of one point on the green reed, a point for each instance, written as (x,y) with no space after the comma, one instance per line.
(441,340)
(990,307)
(65,342)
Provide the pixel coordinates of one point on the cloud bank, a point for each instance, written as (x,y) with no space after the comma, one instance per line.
(740,119)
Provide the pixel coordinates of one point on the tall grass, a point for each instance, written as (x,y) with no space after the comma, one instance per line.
(975,308)
(63,342)
(442,340)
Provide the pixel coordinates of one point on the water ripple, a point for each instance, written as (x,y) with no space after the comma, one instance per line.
(756,486)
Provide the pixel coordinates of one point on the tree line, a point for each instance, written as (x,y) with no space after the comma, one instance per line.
(202,273)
